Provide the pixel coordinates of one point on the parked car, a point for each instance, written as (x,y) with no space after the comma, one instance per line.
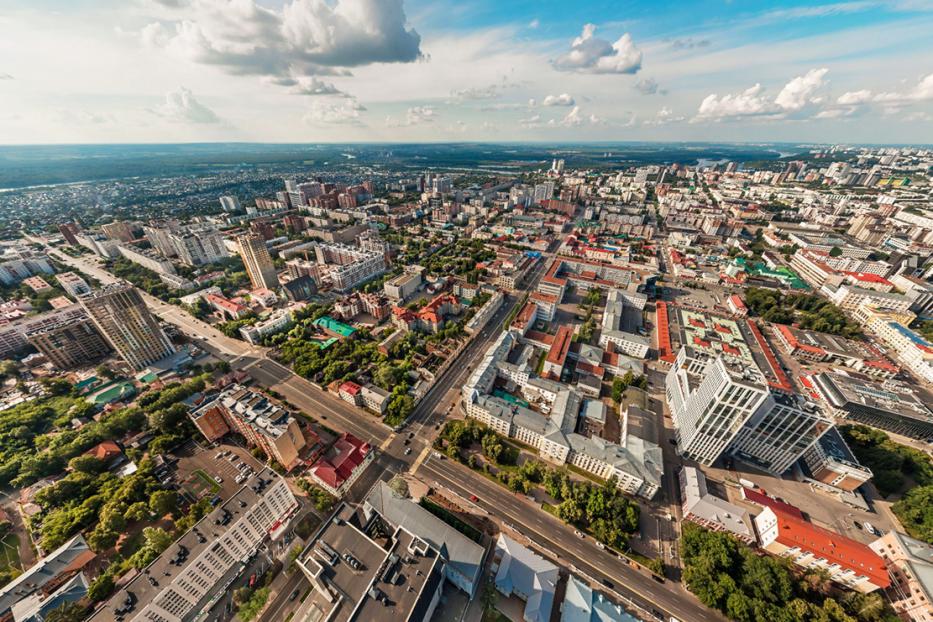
(218,479)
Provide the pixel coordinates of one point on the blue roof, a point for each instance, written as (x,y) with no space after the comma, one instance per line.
(917,339)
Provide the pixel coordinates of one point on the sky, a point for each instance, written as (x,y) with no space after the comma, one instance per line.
(159,71)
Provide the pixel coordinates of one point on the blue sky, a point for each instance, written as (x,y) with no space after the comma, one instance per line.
(420,70)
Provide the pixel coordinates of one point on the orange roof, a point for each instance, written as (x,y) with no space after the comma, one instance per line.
(350,387)
(836,548)
(525,315)
(558,353)
(539,337)
(105,451)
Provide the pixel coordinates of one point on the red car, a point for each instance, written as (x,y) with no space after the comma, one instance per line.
(474,498)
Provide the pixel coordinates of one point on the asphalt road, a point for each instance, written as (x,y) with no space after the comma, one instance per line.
(552,534)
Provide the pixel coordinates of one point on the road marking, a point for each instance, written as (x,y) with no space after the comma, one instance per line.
(421,458)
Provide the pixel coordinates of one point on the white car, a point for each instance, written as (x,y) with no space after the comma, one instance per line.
(218,479)
(578,534)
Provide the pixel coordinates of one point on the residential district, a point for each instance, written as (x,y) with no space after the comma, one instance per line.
(671,392)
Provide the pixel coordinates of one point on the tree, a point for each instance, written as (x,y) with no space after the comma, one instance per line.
(400,486)
(67,612)
(163,502)
(87,464)
(835,251)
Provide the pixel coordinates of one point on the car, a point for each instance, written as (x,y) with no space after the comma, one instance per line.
(857,524)
(218,455)
(600,545)
(407,451)
(474,498)
(578,534)
(234,458)
(870,528)
(294,594)
(406,442)
(411,435)
(609,584)
(218,479)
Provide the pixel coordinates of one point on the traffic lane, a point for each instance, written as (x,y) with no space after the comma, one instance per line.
(580,552)
(282,602)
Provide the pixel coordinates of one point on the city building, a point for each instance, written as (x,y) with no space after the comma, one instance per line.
(187,579)
(37,284)
(68,342)
(230,204)
(913,350)
(724,405)
(889,406)
(258,262)
(847,562)
(73,284)
(121,316)
(119,231)
(707,510)
(47,575)
(529,577)
(342,464)
(13,333)
(276,322)
(344,267)
(263,424)
(147,258)
(910,565)
(20,262)
(584,604)
(38,606)
(400,287)
(198,245)
(363,570)
(463,557)
(830,462)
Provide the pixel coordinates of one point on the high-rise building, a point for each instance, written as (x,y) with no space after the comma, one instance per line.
(121,315)
(720,406)
(197,246)
(118,230)
(69,342)
(186,580)
(230,204)
(258,262)
(69,231)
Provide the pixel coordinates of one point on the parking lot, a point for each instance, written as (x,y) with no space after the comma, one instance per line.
(822,508)
(195,460)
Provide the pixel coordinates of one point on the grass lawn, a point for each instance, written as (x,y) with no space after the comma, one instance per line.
(10,556)
(201,479)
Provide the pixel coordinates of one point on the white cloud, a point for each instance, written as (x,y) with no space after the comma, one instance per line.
(564,99)
(532,102)
(308,86)
(664,116)
(576,118)
(181,106)
(591,54)
(416,115)
(799,92)
(5,76)
(799,97)
(304,38)
(689,43)
(923,91)
(648,86)
(533,24)
(324,112)
(851,98)
(531,122)
(748,103)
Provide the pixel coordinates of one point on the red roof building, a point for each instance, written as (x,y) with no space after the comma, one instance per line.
(342,465)
(848,562)
(557,355)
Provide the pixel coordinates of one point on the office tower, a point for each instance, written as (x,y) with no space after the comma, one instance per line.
(118,230)
(121,315)
(258,262)
(722,406)
(69,342)
(230,204)
(69,231)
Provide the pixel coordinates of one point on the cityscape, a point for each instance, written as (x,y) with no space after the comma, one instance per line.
(471,341)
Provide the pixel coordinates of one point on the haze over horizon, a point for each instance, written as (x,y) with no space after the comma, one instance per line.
(301,71)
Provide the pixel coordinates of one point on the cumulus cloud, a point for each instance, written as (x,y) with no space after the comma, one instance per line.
(591,54)
(564,99)
(182,107)
(304,38)
(310,86)
(648,86)
(576,118)
(797,98)
(416,115)
(800,92)
(852,98)
(664,116)
(922,91)
(324,112)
